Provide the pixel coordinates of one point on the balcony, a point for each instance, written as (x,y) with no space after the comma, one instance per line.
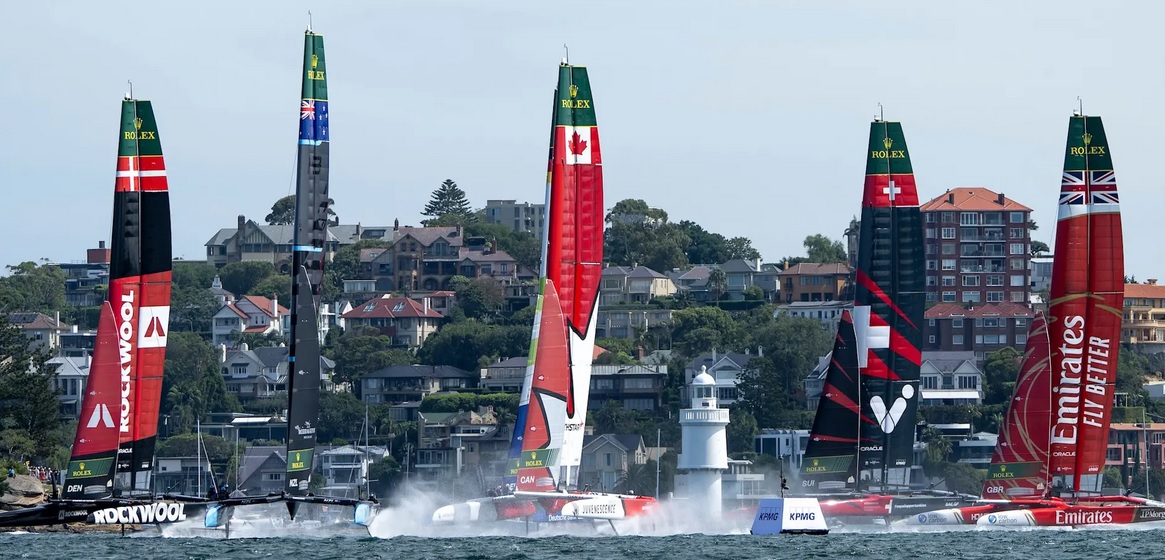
(970,268)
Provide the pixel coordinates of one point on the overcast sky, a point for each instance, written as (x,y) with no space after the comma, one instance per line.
(750,118)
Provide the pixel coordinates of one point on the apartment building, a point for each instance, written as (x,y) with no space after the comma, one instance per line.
(814,282)
(519,216)
(1143,325)
(977,247)
(982,329)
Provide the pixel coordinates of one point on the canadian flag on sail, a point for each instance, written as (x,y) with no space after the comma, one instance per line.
(578,144)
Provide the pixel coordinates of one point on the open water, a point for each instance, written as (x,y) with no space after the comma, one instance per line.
(971,544)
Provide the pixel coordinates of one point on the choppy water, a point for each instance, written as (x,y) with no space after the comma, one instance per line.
(974,544)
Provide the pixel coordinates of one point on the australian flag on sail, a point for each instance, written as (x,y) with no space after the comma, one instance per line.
(313,121)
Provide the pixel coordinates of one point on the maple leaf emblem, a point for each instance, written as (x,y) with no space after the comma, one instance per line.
(577,144)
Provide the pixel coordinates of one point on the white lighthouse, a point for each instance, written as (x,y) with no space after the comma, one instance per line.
(704,455)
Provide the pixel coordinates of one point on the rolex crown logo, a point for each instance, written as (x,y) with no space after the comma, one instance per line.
(1002,468)
(314,60)
(573,90)
(887,142)
(1087,138)
(137,123)
(815,462)
(533,455)
(82,465)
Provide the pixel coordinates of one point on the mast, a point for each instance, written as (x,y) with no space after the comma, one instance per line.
(574,248)
(889,301)
(311,231)
(139,288)
(1087,296)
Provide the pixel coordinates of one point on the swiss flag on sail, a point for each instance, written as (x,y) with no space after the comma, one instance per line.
(577,144)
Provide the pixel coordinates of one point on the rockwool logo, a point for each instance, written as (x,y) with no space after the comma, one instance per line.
(160,512)
(153,323)
(125,332)
(101,416)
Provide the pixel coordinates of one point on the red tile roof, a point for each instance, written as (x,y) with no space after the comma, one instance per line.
(1146,291)
(972,199)
(817,269)
(388,307)
(1006,309)
(264,303)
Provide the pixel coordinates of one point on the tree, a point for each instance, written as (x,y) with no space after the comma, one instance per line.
(938,449)
(612,418)
(822,249)
(1039,248)
(754,293)
(964,478)
(1000,371)
(700,329)
(29,287)
(283,211)
(770,385)
(481,298)
(638,479)
(341,417)
(717,283)
(359,352)
(522,245)
(29,409)
(274,286)
(346,264)
(448,199)
(241,277)
(638,234)
(742,430)
(466,344)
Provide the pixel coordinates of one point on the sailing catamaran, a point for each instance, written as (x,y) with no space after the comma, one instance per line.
(546,449)
(1060,431)
(311,232)
(108,479)
(862,443)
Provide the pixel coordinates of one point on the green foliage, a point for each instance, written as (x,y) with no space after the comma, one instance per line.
(464,344)
(771,383)
(30,421)
(241,277)
(449,402)
(705,247)
(448,199)
(359,352)
(638,234)
(700,329)
(283,211)
(481,298)
(754,293)
(938,450)
(637,479)
(346,264)
(341,416)
(822,249)
(1000,371)
(258,340)
(964,478)
(192,384)
(1039,248)
(717,283)
(525,317)
(741,430)
(613,419)
(614,359)
(274,286)
(1113,479)
(192,306)
(29,287)
(186,445)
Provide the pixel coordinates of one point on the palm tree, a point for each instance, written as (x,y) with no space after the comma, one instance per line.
(717,283)
(638,479)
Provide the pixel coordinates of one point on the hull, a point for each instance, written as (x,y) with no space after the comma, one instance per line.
(547,507)
(102,512)
(1078,515)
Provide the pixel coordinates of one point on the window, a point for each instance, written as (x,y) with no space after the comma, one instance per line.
(1017,280)
(1018,249)
(994,297)
(1016,233)
(989,323)
(931,265)
(970,280)
(931,297)
(930,382)
(948,280)
(957,323)
(957,340)
(971,297)
(930,249)
(931,281)
(273,476)
(948,248)
(948,233)
(1017,264)
(948,297)
(930,217)
(1017,217)
(638,383)
(726,393)
(948,264)
(607,457)
(930,233)
(968,382)
(1021,339)
(239,369)
(1016,297)
(948,217)
(993,218)
(969,218)
(930,322)
(639,404)
(932,339)
(995,280)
